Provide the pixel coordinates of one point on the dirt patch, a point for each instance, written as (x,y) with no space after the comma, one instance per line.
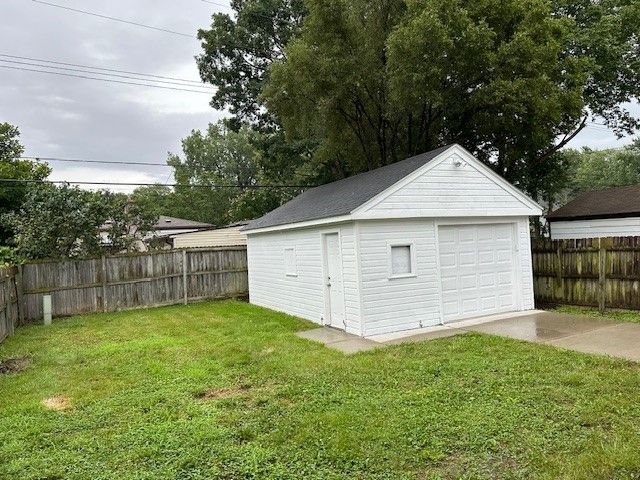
(219,393)
(14,365)
(58,403)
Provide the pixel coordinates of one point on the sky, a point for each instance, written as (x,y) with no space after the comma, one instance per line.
(76,118)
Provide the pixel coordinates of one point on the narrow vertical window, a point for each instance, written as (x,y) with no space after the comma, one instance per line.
(290,267)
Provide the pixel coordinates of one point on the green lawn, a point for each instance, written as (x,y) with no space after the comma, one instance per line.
(619,315)
(225,390)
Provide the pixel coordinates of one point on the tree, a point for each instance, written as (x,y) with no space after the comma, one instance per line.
(64,222)
(238,52)
(226,159)
(12,167)
(128,223)
(58,222)
(372,82)
(602,169)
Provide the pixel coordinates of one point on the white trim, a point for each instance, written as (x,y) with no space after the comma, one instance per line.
(356,233)
(308,223)
(412,261)
(436,232)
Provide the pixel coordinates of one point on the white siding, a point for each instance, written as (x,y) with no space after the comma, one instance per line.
(302,295)
(605,227)
(450,190)
(222,237)
(526,266)
(396,304)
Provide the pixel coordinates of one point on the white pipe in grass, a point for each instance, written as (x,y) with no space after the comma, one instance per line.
(46,309)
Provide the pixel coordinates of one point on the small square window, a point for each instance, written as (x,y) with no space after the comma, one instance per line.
(401,261)
(290,267)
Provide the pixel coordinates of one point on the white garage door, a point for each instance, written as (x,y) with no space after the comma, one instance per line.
(477,270)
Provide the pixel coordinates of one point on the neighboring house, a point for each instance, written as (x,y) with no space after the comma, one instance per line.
(432,239)
(162,231)
(614,212)
(229,236)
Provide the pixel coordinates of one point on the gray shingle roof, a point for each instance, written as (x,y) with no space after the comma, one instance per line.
(343,196)
(613,202)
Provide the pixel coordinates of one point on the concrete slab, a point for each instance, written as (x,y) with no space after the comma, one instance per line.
(619,340)
(339,340)
(575,332)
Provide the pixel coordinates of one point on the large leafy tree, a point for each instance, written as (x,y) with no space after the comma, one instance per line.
(64,222)
(13,168)
(372,82)
(57,222)
(238,51)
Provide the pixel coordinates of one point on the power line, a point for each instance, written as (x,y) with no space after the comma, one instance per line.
(114,75)
(105,79)
(81,160)
(195,82)
(216,4)
(115,19)
(127,184)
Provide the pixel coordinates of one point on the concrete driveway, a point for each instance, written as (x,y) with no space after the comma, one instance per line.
(573,332)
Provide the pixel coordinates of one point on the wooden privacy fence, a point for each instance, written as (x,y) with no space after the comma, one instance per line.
(122,282)
(602,272)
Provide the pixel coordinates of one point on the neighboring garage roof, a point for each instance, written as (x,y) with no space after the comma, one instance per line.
(173,223)
(343,196)
(611,203)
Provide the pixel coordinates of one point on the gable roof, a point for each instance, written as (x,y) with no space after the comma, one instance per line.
(610,203)
(343,196)
(171,223)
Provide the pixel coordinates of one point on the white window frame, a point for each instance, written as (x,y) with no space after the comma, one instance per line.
(289,273)
(412,259)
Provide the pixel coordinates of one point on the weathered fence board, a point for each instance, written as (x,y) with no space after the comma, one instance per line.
(599,272)
(120,282)
(10,296)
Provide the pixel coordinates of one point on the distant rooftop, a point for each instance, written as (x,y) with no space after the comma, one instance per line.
(610,203)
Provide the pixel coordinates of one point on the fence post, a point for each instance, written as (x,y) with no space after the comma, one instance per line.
(104,283)
(20,295)
(560,288)
(184,276)
(602,262)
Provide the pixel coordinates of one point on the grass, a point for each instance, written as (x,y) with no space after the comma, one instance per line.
(226,390)
(632,316)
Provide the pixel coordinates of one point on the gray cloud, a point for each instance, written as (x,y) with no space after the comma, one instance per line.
(76,118)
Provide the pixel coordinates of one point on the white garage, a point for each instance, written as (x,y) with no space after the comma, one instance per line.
(429,240)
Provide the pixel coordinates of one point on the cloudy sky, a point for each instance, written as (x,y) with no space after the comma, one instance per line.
(68,117)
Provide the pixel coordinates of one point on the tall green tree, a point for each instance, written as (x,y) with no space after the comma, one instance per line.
(372,82)
(238,51)
(13,168)
(229,161)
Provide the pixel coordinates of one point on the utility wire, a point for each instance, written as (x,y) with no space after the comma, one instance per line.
(105,79)
(216,4)
(113,75)
(81,160)
(127,184)
(195,82)
(115,19)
